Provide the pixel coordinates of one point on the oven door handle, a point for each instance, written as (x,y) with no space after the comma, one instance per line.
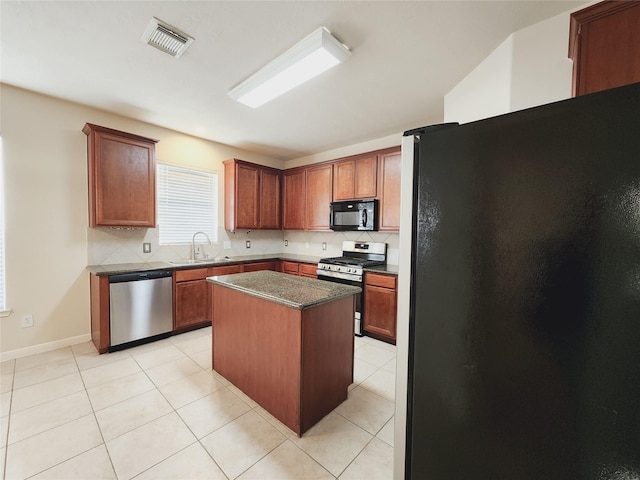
(356,279)
(364,218)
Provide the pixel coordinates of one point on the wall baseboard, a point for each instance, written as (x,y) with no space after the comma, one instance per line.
(44,347)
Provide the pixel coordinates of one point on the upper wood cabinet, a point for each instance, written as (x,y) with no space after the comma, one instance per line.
(319,181)
(355,177)
(270,199)
(251,196)
(604,44)
(293,199)
(122,178)
(390,167)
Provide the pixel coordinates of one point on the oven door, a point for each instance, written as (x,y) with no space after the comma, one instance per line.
(353,281)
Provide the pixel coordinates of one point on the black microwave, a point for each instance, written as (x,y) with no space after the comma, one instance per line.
(354,215)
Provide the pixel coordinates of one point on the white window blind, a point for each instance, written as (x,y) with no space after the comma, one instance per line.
(187,203)
(3,293)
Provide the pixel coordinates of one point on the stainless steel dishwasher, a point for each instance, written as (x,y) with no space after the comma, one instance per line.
(141,307)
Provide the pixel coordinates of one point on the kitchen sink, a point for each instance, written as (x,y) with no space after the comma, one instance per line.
(200,261)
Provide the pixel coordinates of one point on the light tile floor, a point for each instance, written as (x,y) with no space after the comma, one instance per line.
(159,411)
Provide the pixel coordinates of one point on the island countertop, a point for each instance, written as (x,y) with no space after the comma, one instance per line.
(288,290)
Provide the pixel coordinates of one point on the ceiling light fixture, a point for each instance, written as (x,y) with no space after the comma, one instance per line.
(166,38)
(313,55)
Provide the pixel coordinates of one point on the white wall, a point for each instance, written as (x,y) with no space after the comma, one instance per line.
(486,91)
(44,153)
(529,68)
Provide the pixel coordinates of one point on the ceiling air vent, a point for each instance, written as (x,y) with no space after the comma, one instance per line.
(166,38)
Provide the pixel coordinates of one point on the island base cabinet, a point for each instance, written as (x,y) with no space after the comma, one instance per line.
(296,364)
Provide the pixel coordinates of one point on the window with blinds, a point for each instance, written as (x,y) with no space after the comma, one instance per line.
(187,203)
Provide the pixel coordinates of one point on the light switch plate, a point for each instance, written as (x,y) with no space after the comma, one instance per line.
(248,243)
(146,247)
(226,245)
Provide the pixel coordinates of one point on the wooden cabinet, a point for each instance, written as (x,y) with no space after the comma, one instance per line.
(307,193)
(319,183)
(293,199)
(99,297)
(380,304)
(355,177)
(308,270)
(270,200)
(604,44)
(122,178)
(251,195)
(257,266)
(300,269)
(290,267)
(390,167)
(191,298)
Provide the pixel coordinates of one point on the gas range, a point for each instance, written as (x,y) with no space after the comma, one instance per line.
(348,269)
(356,256)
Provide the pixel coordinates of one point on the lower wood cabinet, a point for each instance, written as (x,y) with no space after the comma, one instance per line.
(380,304)
(191,298)
(193,295)
(299,269)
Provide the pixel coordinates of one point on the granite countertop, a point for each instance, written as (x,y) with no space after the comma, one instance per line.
(113,269)
(288,290)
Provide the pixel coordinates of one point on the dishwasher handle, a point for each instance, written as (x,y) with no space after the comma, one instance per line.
(136,276)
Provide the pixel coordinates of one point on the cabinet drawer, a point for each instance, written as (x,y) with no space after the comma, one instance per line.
(228,270)
(192,274)
(384,281)
(255,267)
(308,270)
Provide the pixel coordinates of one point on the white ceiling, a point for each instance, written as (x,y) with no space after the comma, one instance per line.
(405,57)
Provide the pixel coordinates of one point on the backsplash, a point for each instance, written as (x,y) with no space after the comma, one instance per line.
(111,246)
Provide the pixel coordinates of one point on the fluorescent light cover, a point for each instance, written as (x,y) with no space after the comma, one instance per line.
(316,53)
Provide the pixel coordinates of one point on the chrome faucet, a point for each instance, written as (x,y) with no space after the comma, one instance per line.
(196,253)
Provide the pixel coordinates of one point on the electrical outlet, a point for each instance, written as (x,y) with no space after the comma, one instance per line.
(286,243)
(324,245)
(248,243)
(226,245)
(26,321)
(306,244)
(146,247)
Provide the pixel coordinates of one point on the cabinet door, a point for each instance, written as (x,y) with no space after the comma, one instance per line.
(247,201)
(344,173)
(355,178)
(389,191)
(191,303)
(290,267)
(604,44)
(319,183)
(270,211)
(122,178)
(366,177)
(308,270)
(293,193)
(379,313)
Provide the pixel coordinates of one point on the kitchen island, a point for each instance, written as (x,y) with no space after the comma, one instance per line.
(285,341)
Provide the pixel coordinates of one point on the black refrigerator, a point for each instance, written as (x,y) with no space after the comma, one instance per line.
(524,317)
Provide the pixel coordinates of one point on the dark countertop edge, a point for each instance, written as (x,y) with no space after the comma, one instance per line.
(220,280)
(114,269)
